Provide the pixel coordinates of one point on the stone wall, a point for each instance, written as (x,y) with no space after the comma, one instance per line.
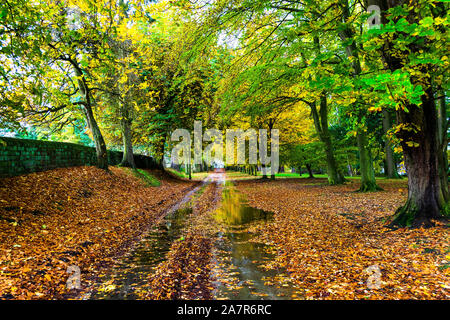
(20,156)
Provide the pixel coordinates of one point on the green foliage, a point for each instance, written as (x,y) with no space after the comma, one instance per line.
(179,174)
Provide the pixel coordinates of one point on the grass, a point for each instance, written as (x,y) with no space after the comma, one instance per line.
(243,175)
(277,175)
(195,175)
(179,174)
(147,178)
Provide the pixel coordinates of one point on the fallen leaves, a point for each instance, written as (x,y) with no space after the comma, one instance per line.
(79,216)
(186,272)
(326,236)
(330,241)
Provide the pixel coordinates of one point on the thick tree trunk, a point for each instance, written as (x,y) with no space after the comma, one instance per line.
(443,142)
(426,199)
(334,175)
(368,182)
(160,153)
(390,165)
(125,123)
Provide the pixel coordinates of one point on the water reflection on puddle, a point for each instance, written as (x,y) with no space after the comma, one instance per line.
(235,212)
(238,259)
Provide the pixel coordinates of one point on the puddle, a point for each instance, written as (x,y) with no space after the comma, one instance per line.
(239,259)
(235,212)
(133,271)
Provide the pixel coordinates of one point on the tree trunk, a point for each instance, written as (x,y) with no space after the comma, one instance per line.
(335,176)
(390,166)
(270,127)
(368,182)
(100,145)
(443,142)
(308,167)
(321,125)
(349,168)
(190,171)
(264,176)
(125,123)
(160,153)
(426,199)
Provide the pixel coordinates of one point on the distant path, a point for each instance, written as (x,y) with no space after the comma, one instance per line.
(217,177)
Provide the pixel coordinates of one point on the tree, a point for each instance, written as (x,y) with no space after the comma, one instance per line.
(407,32)
(57,62)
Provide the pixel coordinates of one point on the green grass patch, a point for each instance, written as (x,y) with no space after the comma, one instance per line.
(147,178)
(179,174)
(233,174)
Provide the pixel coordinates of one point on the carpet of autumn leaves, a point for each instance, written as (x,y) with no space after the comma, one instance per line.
(186,274)
(330,239)
(79,216)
